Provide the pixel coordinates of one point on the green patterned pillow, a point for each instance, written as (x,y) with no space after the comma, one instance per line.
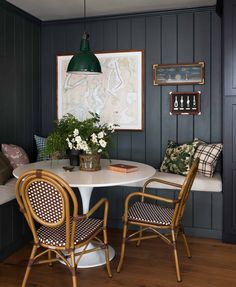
(178,158)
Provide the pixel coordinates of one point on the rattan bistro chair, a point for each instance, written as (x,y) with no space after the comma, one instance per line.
(51,210)
(156,217)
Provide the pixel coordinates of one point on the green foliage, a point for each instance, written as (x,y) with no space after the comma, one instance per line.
(56,144)
(88,135)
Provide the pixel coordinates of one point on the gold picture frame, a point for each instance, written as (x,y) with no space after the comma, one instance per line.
(178,74)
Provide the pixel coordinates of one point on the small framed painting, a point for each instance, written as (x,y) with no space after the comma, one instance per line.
(185,103)
(178,74)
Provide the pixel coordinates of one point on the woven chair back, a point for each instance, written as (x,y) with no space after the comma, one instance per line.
(46,202)
(184,193)
(45,198)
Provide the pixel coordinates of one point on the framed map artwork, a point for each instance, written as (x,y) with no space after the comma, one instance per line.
(116,95)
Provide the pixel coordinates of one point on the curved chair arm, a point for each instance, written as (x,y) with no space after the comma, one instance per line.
(97,206)
(154,179)
(151,196)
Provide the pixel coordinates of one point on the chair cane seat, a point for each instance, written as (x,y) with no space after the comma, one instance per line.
(150,213)
(56,236)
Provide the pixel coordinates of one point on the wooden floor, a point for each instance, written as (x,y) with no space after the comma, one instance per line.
(150,265)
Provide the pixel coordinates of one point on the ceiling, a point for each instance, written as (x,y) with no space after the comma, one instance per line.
(69,9)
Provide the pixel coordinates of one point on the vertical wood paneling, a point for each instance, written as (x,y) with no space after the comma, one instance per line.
(202,41)
(178,37)
(47,69)
(185,123)
(203,53)
(153,93)
(124,43)
(169,56)
(185,55)
(58,48)
(96,35)
(20,109)
(73,31)
(217,211)
(216,89)
(2,33)
(110,44)
(138,42)
(20,68)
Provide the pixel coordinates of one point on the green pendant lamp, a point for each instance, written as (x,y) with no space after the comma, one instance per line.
(85,62)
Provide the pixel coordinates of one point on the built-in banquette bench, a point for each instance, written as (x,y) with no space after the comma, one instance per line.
(13,228)
(201,182)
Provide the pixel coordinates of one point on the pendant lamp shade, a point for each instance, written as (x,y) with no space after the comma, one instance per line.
(85,62)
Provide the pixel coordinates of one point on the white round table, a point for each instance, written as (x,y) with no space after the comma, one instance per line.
(85,181)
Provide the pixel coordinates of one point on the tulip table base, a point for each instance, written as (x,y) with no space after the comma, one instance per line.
(96,258)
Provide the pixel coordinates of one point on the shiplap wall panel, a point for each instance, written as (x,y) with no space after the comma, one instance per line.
(202,52)
(169,55)
(110,44)
(185,55)
(20,109)
(138,141)
(20,50)
(153,95)
(124,33)
(166,37)
(216,91)
(217,211)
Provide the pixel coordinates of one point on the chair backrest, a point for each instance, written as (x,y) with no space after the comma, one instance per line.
(45,198)
(184,193)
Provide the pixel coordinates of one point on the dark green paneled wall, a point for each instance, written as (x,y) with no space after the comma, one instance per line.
(20,106)
(184,36)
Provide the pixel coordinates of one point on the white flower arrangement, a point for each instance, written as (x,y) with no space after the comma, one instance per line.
(91,136)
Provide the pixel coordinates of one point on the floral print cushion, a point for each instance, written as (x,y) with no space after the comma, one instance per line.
(178,158)
(15,154)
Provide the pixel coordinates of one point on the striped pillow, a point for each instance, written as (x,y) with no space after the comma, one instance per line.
(208,155)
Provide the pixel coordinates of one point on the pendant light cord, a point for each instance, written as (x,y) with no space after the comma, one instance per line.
(84,15)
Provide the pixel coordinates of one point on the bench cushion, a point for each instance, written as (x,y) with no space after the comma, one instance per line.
(7,191)
(201,183)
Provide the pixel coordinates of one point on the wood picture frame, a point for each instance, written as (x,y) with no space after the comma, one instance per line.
(179,74)
(117,95)
(185,103)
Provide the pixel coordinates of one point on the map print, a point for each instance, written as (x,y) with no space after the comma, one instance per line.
(116,94)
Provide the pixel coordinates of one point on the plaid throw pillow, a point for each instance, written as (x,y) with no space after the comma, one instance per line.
(40,144)
(178,158)
(208,155)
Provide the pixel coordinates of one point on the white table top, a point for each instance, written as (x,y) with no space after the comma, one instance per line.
(103,177)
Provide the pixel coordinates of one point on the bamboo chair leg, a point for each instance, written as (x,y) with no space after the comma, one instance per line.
(27,272)
(140,235)
(73,269)
(176,257)
(107,253)
(186,243)
(122,247)
(50,257)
